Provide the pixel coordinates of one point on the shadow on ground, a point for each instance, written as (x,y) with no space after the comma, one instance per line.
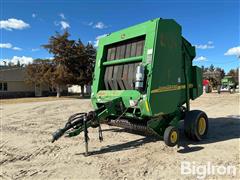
(220,129)
(125,146)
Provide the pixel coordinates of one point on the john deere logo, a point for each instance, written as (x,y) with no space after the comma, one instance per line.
(122,36)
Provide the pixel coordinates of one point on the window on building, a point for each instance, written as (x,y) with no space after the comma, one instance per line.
(1,86)
(5,86)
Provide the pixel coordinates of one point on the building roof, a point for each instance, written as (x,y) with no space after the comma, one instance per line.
(12,74)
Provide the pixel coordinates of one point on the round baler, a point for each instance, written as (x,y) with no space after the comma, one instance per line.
(144,80)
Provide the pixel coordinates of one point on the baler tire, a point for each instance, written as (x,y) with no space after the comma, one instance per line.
(192,122)
(171,136)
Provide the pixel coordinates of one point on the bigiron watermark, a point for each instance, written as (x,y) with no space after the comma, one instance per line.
(201,171)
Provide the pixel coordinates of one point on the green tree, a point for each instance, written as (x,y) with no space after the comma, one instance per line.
(91,58)
(78,65)
(18,64)
(81,64)
(62,49)
(37,70)
(234,73)
(73,62)
(221,72)
(211,68)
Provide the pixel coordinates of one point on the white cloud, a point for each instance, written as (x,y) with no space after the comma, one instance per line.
(90,23)
(35,49)
(50,58)
(15,59)
(12,23)
(235,51)
(200,58)
(209,45)
(6,45)
(17,48)
(64,25)
(97,39)
(9,46)
(62,16)
(100,25)
(34,15)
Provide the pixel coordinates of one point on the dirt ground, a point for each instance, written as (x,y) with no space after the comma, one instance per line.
(27,153)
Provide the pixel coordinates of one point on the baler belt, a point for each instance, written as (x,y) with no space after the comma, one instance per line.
(133,49)
(139,50)
(106,78)
(115,73)
(110,76)
(125,76)
(170,88)
(118,52)
(130,75)
(113,53)
(122,51)
(120,77)
(128,51)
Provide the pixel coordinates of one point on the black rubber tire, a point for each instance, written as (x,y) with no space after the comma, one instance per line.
(191,125)
(167,136)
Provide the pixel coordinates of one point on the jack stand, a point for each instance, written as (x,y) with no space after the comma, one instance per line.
(85,135)
(100,133)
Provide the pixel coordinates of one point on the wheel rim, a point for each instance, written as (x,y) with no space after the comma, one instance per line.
(173,137)
(201,126)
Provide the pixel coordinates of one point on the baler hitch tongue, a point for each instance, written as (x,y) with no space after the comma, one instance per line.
(74,122)
(80,122)
(75,125)
(57,134)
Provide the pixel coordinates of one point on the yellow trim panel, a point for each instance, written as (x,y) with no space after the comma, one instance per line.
(147,107)
(170,88)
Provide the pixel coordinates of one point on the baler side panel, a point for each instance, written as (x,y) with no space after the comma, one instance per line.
(197,89)
(194,72)
(167,71)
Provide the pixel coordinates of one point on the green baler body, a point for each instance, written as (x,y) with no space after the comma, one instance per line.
(167,58)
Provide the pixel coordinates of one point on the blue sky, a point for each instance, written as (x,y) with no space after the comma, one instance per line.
(213,26)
